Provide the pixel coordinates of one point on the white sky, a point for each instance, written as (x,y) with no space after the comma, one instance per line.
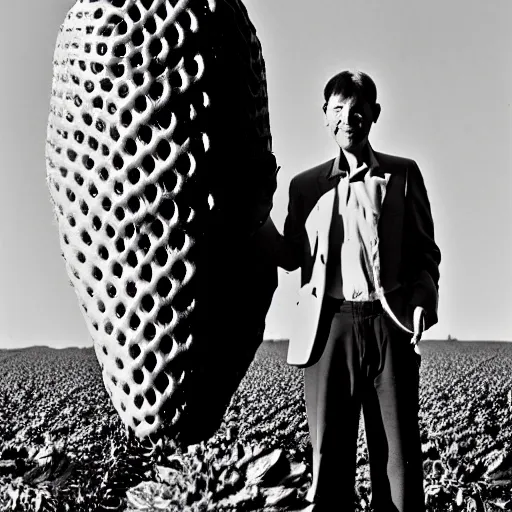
(444,76)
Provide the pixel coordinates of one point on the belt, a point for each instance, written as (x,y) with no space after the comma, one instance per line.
(362,307)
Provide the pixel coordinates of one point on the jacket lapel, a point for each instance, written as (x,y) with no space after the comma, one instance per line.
(384,189)
(320,216)
(385,170)
(322,219)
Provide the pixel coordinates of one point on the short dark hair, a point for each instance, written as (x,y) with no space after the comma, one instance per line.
(350,83)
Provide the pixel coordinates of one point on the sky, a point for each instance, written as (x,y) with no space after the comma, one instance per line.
(444,76)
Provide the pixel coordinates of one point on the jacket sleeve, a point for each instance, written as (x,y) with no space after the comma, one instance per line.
(424,254)
(286,250)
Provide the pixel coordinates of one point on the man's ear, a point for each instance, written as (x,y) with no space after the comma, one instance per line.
(376,112)
(324,109)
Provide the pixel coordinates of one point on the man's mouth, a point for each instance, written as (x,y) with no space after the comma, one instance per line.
(349,132)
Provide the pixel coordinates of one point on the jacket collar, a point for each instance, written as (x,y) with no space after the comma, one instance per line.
(326,183)
(340,168)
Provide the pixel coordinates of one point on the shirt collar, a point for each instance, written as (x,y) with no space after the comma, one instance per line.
(340,166)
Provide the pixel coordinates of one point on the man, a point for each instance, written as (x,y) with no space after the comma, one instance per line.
(360,228)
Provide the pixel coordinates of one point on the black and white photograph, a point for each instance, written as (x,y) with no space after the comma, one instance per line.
(256,256)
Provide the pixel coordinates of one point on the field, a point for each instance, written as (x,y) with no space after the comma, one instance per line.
(62,446)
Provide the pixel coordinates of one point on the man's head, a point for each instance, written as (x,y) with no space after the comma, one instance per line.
(350,108)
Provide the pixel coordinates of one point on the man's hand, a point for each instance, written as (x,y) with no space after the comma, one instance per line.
(257,199)
(419,326)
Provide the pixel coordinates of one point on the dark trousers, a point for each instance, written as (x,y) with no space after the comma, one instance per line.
(367,363)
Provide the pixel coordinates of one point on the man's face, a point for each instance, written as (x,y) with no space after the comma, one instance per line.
(349,120)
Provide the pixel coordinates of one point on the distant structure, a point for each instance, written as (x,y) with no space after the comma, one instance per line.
(451,339)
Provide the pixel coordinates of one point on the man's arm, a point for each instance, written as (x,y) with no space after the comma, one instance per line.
(286,250)
(424,255)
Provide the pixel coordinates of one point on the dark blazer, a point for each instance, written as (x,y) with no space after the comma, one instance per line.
(406,253)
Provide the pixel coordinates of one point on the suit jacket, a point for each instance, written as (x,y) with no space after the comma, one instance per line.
(405,259)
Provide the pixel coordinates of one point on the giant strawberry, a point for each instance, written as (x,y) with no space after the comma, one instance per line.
(160,168)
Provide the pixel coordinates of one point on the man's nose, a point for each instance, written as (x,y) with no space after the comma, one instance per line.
(349,117)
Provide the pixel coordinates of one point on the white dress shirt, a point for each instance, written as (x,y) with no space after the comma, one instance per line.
(354,230)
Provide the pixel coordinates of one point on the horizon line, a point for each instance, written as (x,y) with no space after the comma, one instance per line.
(266,339)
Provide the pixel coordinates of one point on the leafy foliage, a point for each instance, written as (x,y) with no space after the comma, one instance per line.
(63,447)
